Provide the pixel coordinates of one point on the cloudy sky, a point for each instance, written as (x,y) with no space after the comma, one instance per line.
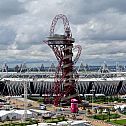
(99,26)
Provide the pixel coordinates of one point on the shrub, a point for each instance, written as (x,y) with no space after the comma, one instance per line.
(40,100)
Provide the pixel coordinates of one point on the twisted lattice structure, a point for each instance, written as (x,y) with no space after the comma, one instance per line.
(62,46)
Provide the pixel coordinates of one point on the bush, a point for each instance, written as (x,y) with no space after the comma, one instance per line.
(114,116)
(100,111)
(28,122)
(113,109)
(40,100)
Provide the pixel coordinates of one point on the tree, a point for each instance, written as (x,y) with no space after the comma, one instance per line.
(95,110)
(109,115)
(7,118)
(100,111)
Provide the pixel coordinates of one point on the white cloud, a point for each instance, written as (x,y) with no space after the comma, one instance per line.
(99,26)
(10,7)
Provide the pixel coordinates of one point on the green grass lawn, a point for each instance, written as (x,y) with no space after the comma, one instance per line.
(105,116)
(120,122)
(55,120)
(18,123)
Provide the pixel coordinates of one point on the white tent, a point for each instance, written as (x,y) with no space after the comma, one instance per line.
(13,114)
(122,107)
(20,114)
(7,115)
(42,112)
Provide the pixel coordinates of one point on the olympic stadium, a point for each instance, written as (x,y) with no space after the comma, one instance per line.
(111,83)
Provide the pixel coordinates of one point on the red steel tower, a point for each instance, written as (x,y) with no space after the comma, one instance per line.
(62,46)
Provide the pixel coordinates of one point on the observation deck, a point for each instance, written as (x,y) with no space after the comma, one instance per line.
(57,39)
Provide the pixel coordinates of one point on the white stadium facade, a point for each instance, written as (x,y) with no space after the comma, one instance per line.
(110,83)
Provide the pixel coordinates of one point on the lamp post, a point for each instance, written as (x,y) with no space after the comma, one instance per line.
(93,93)
(25,101)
